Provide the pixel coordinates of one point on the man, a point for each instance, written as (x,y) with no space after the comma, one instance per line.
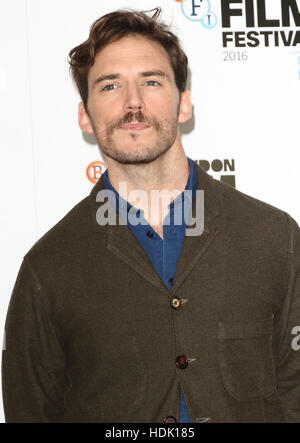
(135,321)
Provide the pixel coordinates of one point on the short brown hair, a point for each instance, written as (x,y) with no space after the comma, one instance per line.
(115,25)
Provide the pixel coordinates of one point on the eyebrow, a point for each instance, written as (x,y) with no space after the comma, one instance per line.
(155,72)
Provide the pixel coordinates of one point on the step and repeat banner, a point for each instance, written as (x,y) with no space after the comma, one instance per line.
(244,58)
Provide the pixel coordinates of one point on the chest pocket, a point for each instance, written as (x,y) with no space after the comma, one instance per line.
(246,360)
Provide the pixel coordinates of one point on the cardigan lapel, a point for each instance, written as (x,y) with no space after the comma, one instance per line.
(194,247)
(122,242)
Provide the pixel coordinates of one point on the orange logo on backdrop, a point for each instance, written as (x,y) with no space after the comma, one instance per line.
(95,170)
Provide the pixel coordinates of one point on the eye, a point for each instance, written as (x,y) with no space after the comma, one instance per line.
(109,87)
(153,83)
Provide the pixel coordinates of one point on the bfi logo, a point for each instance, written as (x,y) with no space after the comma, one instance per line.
(199,11)
(95,170)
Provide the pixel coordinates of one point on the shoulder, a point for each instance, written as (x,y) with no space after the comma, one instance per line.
(64,240)
(233,200)
(254,219)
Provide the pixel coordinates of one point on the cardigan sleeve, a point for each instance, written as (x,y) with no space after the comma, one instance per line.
(288,333)
(33,361)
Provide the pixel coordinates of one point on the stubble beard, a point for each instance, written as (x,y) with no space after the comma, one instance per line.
(166,133)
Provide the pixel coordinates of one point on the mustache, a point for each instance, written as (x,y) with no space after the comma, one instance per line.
(139,117)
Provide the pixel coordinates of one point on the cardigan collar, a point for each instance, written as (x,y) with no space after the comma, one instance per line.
(122,242)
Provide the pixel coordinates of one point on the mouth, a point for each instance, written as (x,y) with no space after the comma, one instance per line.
(135,126)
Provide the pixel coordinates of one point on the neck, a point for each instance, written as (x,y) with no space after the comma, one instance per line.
(168,172)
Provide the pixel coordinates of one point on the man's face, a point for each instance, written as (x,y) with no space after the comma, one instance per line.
(134,105)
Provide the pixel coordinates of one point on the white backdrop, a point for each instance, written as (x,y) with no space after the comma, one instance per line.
(246,107)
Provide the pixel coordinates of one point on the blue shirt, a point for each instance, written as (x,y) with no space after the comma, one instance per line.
(163,253)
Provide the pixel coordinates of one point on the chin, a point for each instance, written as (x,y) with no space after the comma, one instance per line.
(140,156)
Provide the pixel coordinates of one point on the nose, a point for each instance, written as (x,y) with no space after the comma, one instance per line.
(133,100)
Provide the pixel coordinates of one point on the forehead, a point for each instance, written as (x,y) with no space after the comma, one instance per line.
(132,53)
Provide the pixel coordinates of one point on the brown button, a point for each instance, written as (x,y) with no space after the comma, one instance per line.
(170,419)
(175,303)
(181,362)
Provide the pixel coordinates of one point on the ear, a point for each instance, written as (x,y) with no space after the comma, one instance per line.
(185,108)
(84,120)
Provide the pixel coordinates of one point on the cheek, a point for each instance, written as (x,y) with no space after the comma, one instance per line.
(169,106)
(166,109)
(103,117)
